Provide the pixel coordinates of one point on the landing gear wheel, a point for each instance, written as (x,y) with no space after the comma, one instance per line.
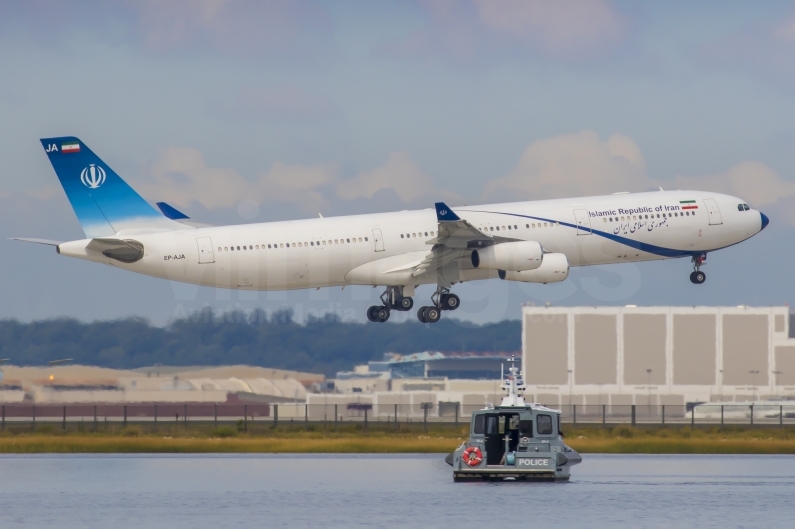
(383,314)
(421,314)
(372,313)
(698,277)
(450,302)
(406,304)
(431,314)
(378,314)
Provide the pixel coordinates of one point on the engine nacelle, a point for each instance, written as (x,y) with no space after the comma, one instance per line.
(554,268)
(514,256)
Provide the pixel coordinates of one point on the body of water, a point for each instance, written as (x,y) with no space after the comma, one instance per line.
(220,491)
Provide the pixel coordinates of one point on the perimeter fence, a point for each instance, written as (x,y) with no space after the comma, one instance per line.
(379,415)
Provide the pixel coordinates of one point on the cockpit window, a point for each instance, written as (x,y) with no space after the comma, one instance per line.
(746,206)
(544,424)
(526,428)
(480,424)
(740,207)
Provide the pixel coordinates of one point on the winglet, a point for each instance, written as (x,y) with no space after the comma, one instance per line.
(443,212)
(170,212)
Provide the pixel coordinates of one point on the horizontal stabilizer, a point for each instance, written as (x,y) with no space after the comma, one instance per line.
(171,212)
(37,241)
(176,215)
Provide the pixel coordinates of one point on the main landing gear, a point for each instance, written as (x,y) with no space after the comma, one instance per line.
(392,299)
(442,300)
(698,277)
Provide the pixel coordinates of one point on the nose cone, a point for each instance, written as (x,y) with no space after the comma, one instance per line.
(765,220)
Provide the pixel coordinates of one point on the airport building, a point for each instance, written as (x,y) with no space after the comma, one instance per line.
(657,355)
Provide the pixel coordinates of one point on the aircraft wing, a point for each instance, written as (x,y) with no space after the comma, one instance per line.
(455,232)
(455,239)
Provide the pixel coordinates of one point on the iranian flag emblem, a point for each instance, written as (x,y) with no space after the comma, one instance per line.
(70,147)
(688,204)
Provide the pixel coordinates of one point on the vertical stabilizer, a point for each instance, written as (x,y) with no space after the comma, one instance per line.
(103,202)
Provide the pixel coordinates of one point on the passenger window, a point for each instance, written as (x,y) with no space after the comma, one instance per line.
(544,424)
(502,424)
(365,239)
(480,424)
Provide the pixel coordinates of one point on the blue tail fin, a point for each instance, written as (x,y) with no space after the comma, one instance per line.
(103,202)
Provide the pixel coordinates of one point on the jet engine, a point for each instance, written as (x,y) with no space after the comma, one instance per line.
(554,268)
(514,256)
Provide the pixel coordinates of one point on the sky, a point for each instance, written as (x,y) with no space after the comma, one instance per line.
(251,111)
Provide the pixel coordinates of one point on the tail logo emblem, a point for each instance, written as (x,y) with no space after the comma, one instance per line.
(92,176)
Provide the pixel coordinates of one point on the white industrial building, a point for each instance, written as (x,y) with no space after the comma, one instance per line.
(657,355)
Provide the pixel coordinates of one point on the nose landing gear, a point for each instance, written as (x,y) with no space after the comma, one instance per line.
(698,277)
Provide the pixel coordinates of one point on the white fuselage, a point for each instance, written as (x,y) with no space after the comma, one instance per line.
(377,249)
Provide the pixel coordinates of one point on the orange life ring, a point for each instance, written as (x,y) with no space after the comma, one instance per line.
(472,456)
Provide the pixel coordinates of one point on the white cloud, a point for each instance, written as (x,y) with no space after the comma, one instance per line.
(562,26)
(300,184)
(491,29)
(399,174)
(581,164)
(574,165)
(181,176)
(755,182)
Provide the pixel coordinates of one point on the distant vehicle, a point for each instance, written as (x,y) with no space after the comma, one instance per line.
(533,242)
(514,441)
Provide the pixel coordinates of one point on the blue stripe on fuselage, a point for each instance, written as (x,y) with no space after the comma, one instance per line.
(642,246)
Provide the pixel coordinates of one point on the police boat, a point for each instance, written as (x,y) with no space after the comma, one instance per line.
(514,441)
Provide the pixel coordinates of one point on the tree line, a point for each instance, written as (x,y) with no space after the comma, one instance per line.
(321,345)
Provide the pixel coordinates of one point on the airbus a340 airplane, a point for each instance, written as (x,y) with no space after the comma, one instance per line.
(534,242)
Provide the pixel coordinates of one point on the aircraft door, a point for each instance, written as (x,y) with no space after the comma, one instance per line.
(583,221)
(206,254)
(713,211)
(378,238)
